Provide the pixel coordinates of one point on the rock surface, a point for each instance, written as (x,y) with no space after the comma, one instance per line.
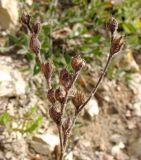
(8,13)
(11,80)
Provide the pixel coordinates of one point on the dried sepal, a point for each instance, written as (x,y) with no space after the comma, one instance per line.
(25,18)
(77,63)
(112,25)
(60,95)
(35,44)
(47,69)
(51,95)
(116,44)
(36,27)
(65,78)
(78,100)
(55,115)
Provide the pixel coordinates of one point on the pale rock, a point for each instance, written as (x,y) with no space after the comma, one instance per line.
(40,148)
(116,138)
(69,156)
(11,82)
(29,2)
(126,61)
(137,109)
(92,108)
(117,148)
(8,13)
(49,140)
(135,85)
(107,157)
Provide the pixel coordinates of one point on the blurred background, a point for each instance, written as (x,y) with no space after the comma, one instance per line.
(109,128)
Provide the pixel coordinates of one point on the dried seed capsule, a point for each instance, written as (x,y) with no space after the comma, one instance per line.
(36,27)
(67,125)
(78,99)
(25,18)
(116,44)
(60,95)
(113,25)
(35,44)
(77,63)
(47,70)
(65,78)
(55,115)
(51,95)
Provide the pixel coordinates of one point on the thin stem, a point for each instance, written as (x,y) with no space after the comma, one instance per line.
(92,94)
(67,92)
(29,27)
(98,83)
(62,138)
(61,142)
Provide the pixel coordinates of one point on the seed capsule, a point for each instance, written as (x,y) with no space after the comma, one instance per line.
(116,45)
(55,115)
(25,18)
(77,63)
(47,70)
(51,95)
(113,25)
(78,99)
(36,27)
(35,44)
(60,95)
(67,125)
(65,78)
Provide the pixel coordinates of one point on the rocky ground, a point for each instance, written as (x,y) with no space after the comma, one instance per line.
(108,129)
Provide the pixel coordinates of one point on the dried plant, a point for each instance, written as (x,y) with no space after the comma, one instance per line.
(67,80)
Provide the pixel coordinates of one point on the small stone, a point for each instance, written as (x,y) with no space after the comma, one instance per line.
(92,109)
(107,157)
(116,138)
(49,139)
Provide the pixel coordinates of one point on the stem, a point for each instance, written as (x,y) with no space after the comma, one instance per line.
(92,94)
(97,85)
(61,137)
(61,143)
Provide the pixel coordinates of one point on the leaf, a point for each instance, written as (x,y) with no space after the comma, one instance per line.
(36,69)
(129,28)
(46,29)
(4,118)
(32,126)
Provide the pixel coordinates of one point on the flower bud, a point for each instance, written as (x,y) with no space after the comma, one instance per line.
(65,78)
(25,18)
(55,115)
(78,99)
(47,70)
(35,44)
(51,95)
(116,44)
(36,27)
(60,95)
(77,63)
(113,25)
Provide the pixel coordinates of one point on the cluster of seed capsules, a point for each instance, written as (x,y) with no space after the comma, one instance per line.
(66,79)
